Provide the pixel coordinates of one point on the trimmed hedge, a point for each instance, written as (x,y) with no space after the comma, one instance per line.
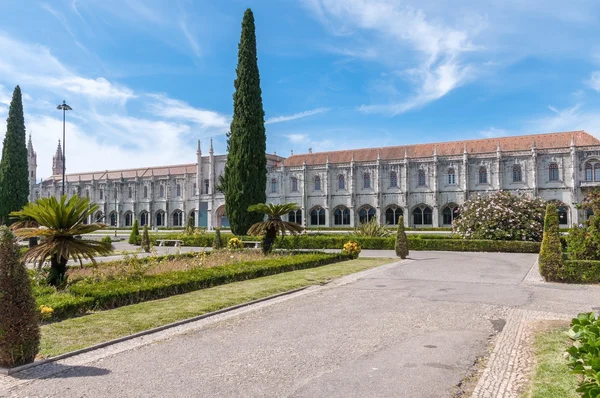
(578,271)
(84,296)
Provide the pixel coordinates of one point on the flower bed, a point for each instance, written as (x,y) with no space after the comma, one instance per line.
(85,295)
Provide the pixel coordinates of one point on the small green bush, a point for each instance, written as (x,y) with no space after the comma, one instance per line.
(134,236)
(217,242)
(145,240)
(107,241)
(19,329)
(580,246)
(578,271)
(401,240)
(584,354)
(551,257)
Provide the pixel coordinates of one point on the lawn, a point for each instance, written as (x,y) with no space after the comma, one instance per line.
(85,331)
(551,377)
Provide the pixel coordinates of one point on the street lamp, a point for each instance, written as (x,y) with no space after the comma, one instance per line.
(64,108)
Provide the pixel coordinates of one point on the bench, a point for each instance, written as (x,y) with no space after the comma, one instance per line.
(176,243)
(251,243)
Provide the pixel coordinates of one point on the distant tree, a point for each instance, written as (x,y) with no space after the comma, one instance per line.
(401,240)
(134,236)
(19,329)
(190,225)
(217,243)
(14,170)
(245,178)
(145,240)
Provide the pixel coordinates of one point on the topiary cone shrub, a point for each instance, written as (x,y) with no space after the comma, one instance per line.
(217,244)
(145,240)
(134,237)
(550,258)
(19,329)
(401,240)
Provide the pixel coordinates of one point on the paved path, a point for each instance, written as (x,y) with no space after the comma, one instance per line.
(411,329)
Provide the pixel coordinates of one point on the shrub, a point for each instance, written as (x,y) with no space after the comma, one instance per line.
(550,259)
(501,216)
(584,355)
(145,240)
(578,271)
(217,243)
(579,244)
(371,229)
(401,240)
(235,243)
(19,329)
(107,241)
(351,248)
(134,237)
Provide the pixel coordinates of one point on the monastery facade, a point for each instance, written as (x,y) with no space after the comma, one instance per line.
(426,183)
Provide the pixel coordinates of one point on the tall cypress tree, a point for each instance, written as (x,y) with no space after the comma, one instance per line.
(14,182)
(245,177)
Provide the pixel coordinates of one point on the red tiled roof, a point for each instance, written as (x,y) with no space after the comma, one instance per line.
(487,145)
(159,171)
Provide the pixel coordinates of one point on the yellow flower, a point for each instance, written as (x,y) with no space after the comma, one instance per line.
(46,312)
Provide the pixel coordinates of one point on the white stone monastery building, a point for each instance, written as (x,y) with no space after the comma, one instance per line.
(426,183)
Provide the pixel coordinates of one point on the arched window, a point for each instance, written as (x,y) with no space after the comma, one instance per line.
(392,214)
(597,172)
(178,190)
(113,219)
(130,193)
(393,179)
(449,214)
(517,174)
(145,192)
(102,194)
(143,218)
(563,215)
(177,218)
(317,183)
(295,216)
(341,182)
(161,191)
(317,216)
(367,181)
(206,186)
(294,184)
(483,178)
(451,176)
(87,193)
(99,216)
(273,185)
(160,219)
(341,216)
(553,172)
(366,214)
(128,219)
(421,178)
(589,172)
(422,215)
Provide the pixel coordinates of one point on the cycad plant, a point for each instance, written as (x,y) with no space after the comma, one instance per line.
(59,223)
(371,229)
(273,224)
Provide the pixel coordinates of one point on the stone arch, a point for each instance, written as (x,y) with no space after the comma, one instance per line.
(221,217)
(450,212)
(366,213)
(392,214)
(159,218)
(317,216)
(341,215)
(422,215)
(177,218)
(129,217)
(564,212)
(144,218)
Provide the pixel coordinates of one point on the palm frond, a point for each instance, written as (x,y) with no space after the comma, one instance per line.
(274,221)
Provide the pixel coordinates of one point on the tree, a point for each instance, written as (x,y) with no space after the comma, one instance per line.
(245,178)
(134,236)
(190,225)
(61,225)
(217,243)
(19,329)
(273,224)
(14,169)
(401,241)
(145,240)
(550,258)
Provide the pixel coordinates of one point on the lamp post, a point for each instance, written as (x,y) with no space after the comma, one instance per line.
(64,108)
(116,212)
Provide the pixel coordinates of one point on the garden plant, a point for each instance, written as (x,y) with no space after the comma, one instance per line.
(273,225)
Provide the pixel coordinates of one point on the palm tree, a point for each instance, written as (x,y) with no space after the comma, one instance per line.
(59,224)
(273,224)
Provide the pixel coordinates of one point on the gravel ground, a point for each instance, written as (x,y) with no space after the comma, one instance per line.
(412,329)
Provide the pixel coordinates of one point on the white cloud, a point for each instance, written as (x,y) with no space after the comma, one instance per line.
(493,132)
(297,138)
(568,119)
(594,81)
(180,110)
(279,119)
(190,38)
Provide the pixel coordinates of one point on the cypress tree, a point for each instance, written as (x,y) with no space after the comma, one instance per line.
(134,236)
(145,240)
(401,240)
(14,181)
(245,177)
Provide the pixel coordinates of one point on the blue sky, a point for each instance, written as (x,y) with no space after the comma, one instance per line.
(146,79)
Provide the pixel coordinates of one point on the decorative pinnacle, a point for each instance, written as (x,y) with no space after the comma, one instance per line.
(211,147)
(465,148)
(572,139)
(199,151)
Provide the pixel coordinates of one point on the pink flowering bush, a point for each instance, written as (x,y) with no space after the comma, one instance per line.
(501,216)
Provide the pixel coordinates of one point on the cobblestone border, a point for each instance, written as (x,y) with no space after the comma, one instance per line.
(50,368)
(505,375)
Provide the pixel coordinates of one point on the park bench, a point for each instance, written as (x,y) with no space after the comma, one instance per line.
(252,243)
(163,242)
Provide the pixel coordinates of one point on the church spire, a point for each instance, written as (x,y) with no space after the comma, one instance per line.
(199,150)
(211,151)
(58,161)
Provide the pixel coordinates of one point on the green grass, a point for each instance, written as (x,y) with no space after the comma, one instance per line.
(77,333)
(552,377)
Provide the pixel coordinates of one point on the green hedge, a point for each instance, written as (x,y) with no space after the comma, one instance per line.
(578,271)
(84,296)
